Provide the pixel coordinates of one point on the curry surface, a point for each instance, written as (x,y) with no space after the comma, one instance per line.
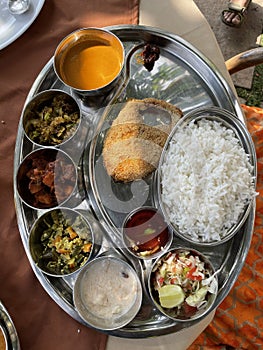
(88,68)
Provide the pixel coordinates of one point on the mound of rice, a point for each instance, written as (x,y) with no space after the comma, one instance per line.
(206,180)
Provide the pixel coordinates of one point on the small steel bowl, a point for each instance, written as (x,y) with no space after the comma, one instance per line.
(89,61)
(46,178)
(8,334)
(107,293)
(51,118)
(186,310)
(61,242)
(230,122)
(3,338)
(145,233)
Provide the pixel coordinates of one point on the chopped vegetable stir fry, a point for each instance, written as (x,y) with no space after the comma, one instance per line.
(179,283)
(54,122)
(66,244)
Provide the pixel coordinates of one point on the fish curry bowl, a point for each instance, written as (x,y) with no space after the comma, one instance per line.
(89,60)
(206,179)
(183,284)
(61,242)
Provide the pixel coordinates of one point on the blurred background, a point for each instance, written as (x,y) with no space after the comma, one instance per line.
(249,82)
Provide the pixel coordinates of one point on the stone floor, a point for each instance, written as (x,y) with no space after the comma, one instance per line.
(235,40)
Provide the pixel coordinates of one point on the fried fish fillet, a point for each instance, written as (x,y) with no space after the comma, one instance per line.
(133,144)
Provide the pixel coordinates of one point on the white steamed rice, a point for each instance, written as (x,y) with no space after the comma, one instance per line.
(206,180)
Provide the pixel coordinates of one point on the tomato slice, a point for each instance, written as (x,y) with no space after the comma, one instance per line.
(190,274)
(160,281)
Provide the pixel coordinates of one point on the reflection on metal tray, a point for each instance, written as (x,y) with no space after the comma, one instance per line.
(8,328)
(181,76)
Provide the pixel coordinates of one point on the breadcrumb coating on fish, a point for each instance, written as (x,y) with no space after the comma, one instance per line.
(133,144)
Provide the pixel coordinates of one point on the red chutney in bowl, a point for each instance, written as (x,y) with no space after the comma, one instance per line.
(145,233)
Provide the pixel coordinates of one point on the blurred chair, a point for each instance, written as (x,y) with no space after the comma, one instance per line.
(244,60)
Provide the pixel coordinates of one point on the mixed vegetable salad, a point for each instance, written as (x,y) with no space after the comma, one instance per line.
(181,283)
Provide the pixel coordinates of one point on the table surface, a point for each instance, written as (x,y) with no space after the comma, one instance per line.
(40,323)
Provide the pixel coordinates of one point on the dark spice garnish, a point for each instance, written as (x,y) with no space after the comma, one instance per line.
(124,275)
(150,54)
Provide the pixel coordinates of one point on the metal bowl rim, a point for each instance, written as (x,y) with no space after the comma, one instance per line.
(85,29)
(38,220)
(212,296)
(43,149)
(239,127)
(77,291)
(163,249)
(51,92)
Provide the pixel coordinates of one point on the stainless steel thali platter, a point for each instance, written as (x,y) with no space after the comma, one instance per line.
(181,76)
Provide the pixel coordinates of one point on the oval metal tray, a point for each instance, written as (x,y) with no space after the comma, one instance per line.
(181,76)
